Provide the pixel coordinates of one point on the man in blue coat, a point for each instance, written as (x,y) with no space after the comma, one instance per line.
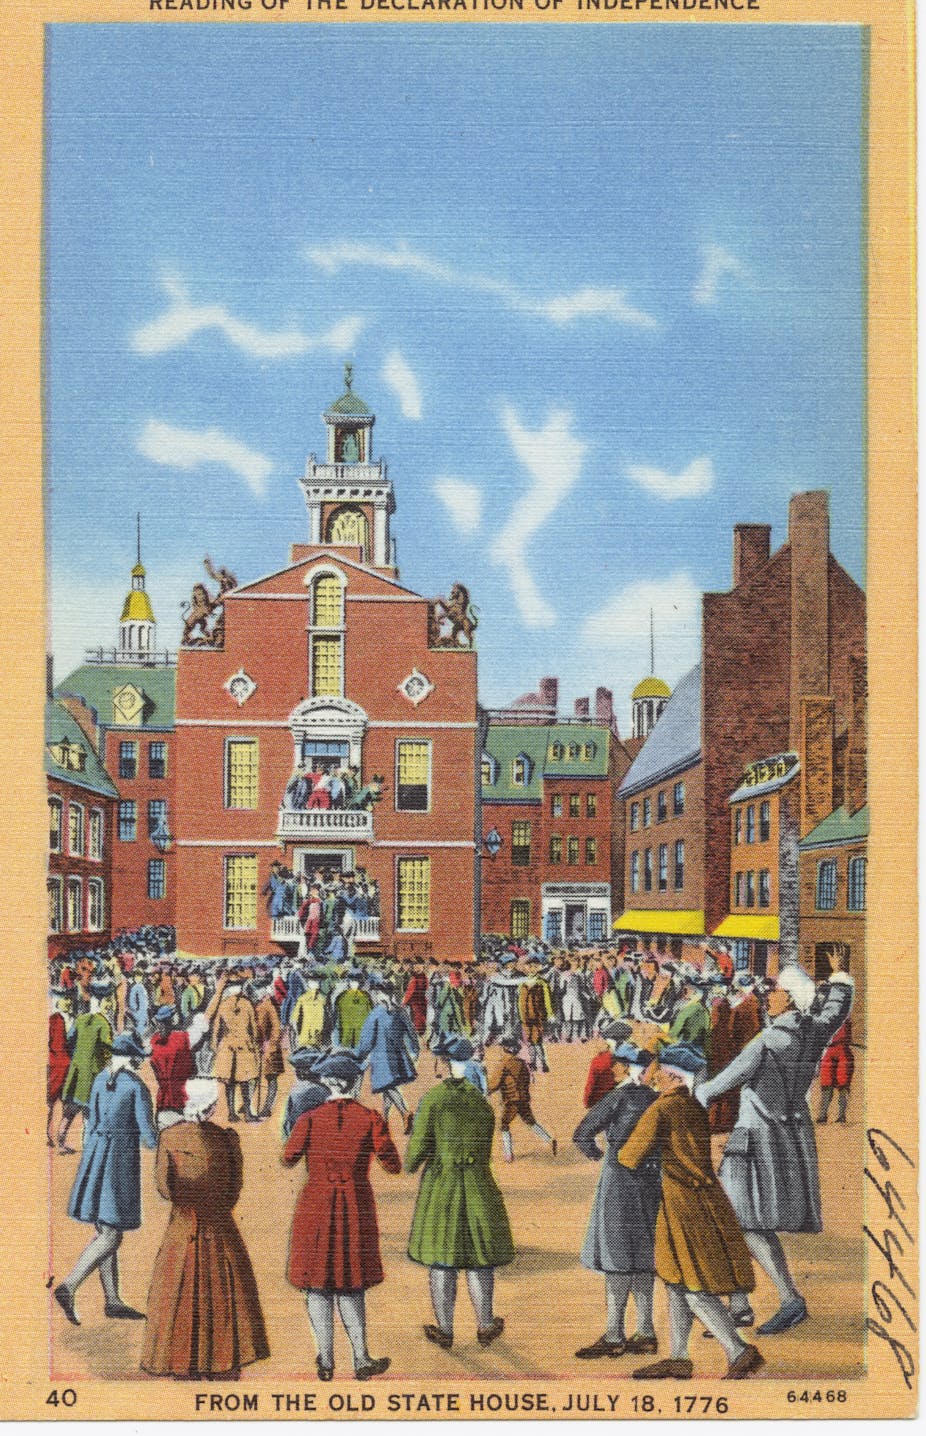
(388,1045)
(107,1188)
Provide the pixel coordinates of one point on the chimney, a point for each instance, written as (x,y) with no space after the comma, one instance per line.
(604,707)
(751,549)
(582,708)
(549,692)
(857,755)
(809,539)
(816,750)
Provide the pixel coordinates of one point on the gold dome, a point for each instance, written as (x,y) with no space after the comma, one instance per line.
(651,688)
(137,607)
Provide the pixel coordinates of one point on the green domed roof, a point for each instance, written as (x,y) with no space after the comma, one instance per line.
(350,405)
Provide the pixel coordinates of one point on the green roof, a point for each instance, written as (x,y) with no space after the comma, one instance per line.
(349,405)
(546,747)
(96,683)
(839,827)
(61,727)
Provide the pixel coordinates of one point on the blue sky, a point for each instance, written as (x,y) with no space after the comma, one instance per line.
(601,285)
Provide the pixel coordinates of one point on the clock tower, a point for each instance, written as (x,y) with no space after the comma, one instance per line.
(349,497)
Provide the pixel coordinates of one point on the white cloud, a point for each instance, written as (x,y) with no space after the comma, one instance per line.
(618,634)
(462,501)
(403,383)
(553,457)
(182,319)
(717,264)
(589,303)
(691,483)
(192,448)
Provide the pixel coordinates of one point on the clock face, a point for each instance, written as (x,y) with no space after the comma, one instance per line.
(128,703)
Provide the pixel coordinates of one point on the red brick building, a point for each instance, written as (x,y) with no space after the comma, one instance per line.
(81,805)
(330,664)
(779,654)
(551,862)
(128,694)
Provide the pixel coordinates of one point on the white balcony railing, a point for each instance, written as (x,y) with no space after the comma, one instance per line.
(289,929)
(313,823)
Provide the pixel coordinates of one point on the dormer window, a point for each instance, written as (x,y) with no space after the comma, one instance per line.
(556,752)
(489,770)
(573,752)
(588,752)
(521,770)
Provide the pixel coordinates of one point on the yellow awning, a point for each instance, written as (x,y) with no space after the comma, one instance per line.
(760,929)
(688,923)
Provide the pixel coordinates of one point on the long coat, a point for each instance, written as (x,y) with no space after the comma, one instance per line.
(107,1187)
(235,1040)
(334,1244)
(59,1059)
(416,1000)
(698,1244)
(769,1166)
(204,1313)
(92,1041)
(310,1018)
(389,1043)
(269,1037)
(460,1218)
(171,1061)
(352,1009)
(622,1223)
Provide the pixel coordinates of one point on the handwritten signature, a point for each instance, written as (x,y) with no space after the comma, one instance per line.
(887,1294)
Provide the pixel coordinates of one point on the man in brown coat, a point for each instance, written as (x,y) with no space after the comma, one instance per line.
(512,1080)
(236,1045)
(535,1006)
(269,1039)
(700,1251)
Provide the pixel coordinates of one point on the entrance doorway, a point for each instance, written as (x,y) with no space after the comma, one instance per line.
(330,861)
(575,922)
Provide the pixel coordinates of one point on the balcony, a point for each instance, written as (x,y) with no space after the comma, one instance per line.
(311,824)
(288,929)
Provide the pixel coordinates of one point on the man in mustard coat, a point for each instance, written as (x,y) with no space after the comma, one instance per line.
(460,1222)
(700,1251)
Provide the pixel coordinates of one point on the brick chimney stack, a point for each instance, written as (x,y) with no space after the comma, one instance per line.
(809,540)
(548,689)
(751,549)
(604,707)
(582,708)
(816,750)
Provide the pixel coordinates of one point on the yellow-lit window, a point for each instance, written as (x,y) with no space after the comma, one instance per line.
(591,850)
(54,828)
(520,917)
(326,666)
(327,607)
(413,791)
(241,773)
(572,851)
(241,891)
(414,894)
(521,844)
(556,850)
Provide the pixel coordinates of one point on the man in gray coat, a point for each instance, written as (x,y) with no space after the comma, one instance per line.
(769,1168)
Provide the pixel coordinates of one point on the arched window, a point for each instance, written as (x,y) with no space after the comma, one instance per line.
(327,601)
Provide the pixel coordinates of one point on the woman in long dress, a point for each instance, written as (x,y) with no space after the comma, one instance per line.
(204,1313)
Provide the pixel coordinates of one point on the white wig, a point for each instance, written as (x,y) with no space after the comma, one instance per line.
(799,986)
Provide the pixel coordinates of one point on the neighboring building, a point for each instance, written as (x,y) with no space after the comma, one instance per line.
(330,664)
(648,702)
(777,677)
(81,805)
(551,861)
(833,880)
(662,803)
(130,692)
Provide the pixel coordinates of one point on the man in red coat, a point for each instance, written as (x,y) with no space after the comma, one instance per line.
(171,1057)
(600,1080)
(416,999)
(334,1247)
(836,1068)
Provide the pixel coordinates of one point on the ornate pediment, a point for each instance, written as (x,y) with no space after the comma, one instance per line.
(325,711)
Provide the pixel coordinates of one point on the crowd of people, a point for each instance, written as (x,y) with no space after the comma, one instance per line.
(328,905)
(682,1051)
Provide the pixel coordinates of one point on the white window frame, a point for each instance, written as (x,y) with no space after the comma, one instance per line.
(78,852)
(55,883)
(226,925)
(54,802)
(95,849)
(226,777)
(96,890)
(413,858)
(430,747)
(78,886)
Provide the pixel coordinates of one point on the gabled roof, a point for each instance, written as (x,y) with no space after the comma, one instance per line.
(535,741)
(838,827)
(323,554)
(61,727)
(675,742)
(97,682)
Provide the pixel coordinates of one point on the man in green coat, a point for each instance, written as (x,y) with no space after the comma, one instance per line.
(691,1024)
(460,1221)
